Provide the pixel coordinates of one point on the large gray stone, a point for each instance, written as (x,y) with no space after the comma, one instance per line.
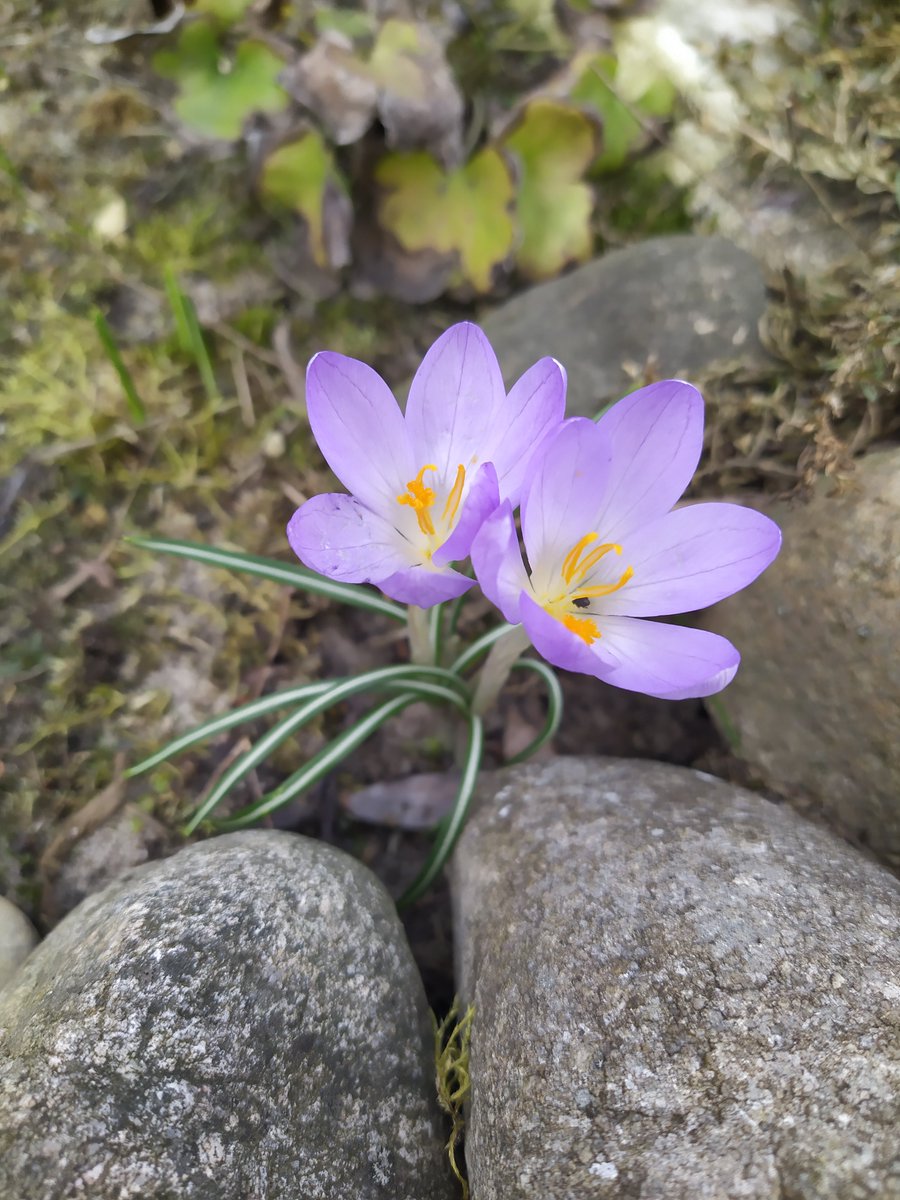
(18,937)
(243,1020)
(681,303)
(681,990)
(816,703)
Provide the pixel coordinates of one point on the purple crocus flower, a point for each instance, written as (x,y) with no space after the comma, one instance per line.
(605,551)
(421,484)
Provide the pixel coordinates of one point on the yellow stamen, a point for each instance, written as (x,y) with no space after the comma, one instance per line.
(607,589)
(452,505)
(582,627)
(420,498)
(571,559)
(576,566)
(581,569)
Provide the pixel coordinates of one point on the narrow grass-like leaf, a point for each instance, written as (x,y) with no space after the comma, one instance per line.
(200,353)
(328,757)
(270,568)
(320,764)
(479,649)
(9,170)
(436,631)
(188,332)
(237,716)
(279,733)
(176,298)
(554,706)
(455,613)
(135,403)
(420,689)
(451,826)
(723,720)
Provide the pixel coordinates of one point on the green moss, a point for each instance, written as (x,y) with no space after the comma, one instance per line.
(641,201)
(452,1038)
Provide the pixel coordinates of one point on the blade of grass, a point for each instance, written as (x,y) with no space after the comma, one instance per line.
(201,353)
(176,298)
(133,400)
(270,568)
(189,334)
(451,826)
(8,168)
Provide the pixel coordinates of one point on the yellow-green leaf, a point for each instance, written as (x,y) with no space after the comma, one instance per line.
(598,88)
(466,212)
(301,175)
(217,94)
(226,11)
(554,143)
(393,60)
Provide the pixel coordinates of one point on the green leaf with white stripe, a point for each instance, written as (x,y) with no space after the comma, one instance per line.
(358,595)
(237,716)
(383,677)
(451,826)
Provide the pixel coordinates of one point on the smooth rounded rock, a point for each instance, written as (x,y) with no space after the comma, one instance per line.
(18,937)
(682,992)
(816,702)
(243,1020)
(684,301)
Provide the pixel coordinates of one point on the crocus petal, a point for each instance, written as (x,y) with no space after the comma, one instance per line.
(424,587)
(672,662)
(452,400)
(498,562)
(338,536)
(562,498)
(559,645)
(481,500)
(533,409)
(656,435)
(693,557)
(359,428)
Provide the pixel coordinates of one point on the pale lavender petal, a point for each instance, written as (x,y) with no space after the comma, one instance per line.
(533,409)
(359,428)
(338,536)
(425,587)
(693,557)
(656,435)
(672,662)
(559,645)
(453,399)
(498,562)
(481,499)
(561,500)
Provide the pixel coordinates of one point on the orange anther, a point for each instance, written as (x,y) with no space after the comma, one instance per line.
(582,627)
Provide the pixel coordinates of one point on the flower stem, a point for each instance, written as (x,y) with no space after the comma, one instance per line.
(497,667)
(421,651)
